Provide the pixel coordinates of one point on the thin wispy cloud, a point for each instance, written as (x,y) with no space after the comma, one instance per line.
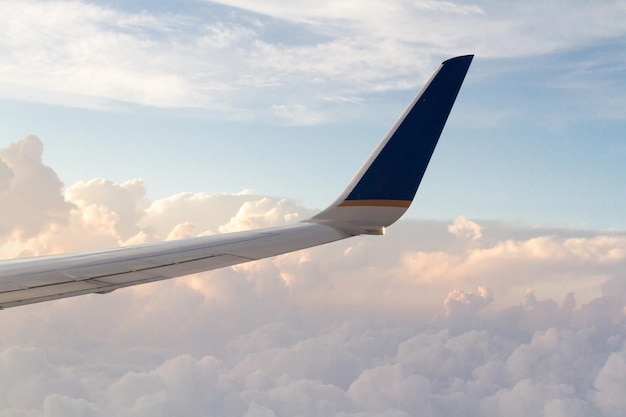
(94,55)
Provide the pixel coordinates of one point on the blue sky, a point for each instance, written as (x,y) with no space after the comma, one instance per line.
(288,100)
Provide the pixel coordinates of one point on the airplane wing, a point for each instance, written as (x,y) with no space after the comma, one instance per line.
(377,196)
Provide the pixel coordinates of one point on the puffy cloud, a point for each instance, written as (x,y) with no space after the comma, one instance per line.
(125,202)
(29,190)
(6,175)
(59,405)
(39,217)
(205,211)
(212,213)
(28,377)
(610,384)
(523,321)
(292,365)
(461,303)
(263,213)
(527,397)
(465,228)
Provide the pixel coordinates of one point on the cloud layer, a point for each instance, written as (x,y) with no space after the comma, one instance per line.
(94,55)
(464,317)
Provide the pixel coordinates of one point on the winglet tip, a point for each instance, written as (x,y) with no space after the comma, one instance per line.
(384,188)
(467,57)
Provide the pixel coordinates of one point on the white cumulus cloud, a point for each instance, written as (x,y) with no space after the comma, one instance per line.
(523,321)
(465,228)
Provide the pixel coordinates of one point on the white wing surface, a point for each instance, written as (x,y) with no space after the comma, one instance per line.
(377,196)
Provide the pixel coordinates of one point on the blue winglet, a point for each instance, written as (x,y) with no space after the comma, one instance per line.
(392,174)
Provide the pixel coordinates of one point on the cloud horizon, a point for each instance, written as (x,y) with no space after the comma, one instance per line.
(438,317)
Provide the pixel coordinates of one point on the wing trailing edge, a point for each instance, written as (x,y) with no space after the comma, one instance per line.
(378,195)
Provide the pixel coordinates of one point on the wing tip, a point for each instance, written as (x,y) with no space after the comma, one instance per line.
(385,186)
(467,57)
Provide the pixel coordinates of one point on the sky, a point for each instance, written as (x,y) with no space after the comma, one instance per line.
(501,291)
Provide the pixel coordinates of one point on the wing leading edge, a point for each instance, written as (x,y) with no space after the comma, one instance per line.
(377,196)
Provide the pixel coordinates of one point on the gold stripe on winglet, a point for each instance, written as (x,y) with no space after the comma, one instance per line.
(375,203)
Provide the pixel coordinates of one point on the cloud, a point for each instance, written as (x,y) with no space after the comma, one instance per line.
(29,378)
(523,321)
(38,216)
(609,384)
(461,303)
(88,55)
(263,213)
(465,228)
(127,201)
(30,191)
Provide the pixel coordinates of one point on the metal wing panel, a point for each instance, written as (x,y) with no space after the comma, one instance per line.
(26,281)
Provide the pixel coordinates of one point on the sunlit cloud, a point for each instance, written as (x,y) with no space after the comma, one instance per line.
(465,228)
(521,319)
(30,191)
